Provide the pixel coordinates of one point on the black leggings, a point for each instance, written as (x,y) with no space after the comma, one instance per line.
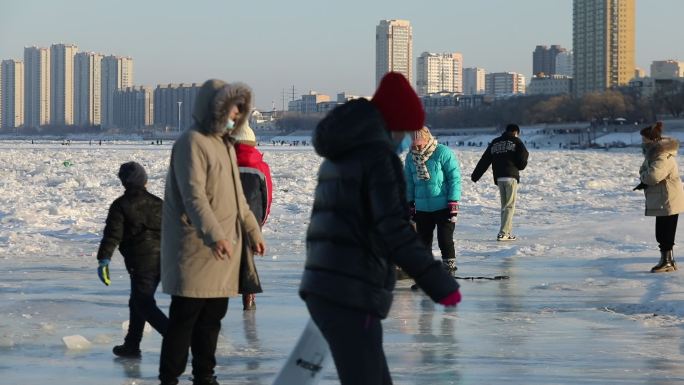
(425,225)
(665,230)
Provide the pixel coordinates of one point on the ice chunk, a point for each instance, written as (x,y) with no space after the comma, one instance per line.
(76,342)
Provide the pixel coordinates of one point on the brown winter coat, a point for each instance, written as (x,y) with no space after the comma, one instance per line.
(201,200)
(664,191)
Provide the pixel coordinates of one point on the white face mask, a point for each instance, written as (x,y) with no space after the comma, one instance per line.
(230,124)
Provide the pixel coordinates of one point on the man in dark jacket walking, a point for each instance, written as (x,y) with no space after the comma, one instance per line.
(134,225)
(508,156)
(360,229)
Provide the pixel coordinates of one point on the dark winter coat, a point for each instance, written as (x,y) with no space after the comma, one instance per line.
(134,224)
(255,176)
(659,171)
(507,155)
(359,226)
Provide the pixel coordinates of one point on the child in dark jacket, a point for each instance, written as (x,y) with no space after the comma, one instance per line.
(134,225)
(255,176)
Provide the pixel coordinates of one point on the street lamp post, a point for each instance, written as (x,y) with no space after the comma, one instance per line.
(179,115)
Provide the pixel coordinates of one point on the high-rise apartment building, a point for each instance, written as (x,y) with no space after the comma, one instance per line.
(174,104)
(393,49)
(87,88)
(62,84)
(564,66)
(439,73)
(117,74)
(12,85)
(603,44)
(503,84)
(134,108)
(474,81)
(544,59)
(36,86)
(667,69)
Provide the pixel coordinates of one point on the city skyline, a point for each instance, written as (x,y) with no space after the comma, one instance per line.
(328,48)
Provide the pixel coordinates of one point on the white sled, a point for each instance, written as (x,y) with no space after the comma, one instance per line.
(308,359)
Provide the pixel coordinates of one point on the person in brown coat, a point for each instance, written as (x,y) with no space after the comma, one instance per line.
(663,189)
(203,217)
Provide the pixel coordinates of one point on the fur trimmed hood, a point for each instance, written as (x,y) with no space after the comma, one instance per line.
(214,100)
(666,145)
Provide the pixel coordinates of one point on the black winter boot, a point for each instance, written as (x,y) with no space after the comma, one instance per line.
(126,351)
(205,381)
(666,263)
(450,265)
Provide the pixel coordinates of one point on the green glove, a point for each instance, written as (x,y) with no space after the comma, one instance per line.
(103,271)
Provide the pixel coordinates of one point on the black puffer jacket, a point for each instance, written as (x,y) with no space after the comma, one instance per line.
(507,155)
(134,224)
(359,225)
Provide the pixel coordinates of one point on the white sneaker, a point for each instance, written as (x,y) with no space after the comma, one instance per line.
(505,237)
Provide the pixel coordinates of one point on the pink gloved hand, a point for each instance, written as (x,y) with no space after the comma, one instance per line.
(452,299)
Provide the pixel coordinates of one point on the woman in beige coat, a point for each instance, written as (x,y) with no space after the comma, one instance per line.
(203,216)
(662,186)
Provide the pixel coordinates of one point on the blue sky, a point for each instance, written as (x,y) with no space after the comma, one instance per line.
(327,46)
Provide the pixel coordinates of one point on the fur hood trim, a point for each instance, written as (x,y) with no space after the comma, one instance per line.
(214,101)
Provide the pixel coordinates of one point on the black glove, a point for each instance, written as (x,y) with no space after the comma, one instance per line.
(412,210)
(640,186)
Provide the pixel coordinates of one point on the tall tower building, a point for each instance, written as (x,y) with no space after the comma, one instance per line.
(62,84)
(439,73)
(117,74)
(36,86)
(603,44)
(12,91)
(87,89)
(544,59)
(474,81)
(393,49)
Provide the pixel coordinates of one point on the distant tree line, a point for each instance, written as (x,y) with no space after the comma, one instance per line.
(624,102)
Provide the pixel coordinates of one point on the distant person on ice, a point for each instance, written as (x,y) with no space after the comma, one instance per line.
(662,187)
(134,225)
(360,229)
(255,176)
(204,215)
(508,156)
(433,188)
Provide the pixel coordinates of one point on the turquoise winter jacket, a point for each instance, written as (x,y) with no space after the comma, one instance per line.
(443,186)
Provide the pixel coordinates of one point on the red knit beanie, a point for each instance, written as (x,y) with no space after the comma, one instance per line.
(398,103)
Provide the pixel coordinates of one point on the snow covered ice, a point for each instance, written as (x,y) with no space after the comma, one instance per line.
(580,305)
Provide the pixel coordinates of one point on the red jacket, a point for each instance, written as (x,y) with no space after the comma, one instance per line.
(256,180)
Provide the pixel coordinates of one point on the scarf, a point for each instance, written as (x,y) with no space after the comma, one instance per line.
(421,156)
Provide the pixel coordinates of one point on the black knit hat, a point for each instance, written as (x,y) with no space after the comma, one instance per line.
(132,174)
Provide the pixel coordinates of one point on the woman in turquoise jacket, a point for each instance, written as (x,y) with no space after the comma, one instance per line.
(433,181)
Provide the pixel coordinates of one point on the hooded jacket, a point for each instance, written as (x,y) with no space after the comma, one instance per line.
(507,155)
(201,200)
(359,226)
(659,171)
(255,176)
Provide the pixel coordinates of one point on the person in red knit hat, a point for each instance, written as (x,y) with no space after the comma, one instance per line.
(255,175)
(359,229)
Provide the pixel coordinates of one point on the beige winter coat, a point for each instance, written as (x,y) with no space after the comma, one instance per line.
(664,194)
(201,199)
